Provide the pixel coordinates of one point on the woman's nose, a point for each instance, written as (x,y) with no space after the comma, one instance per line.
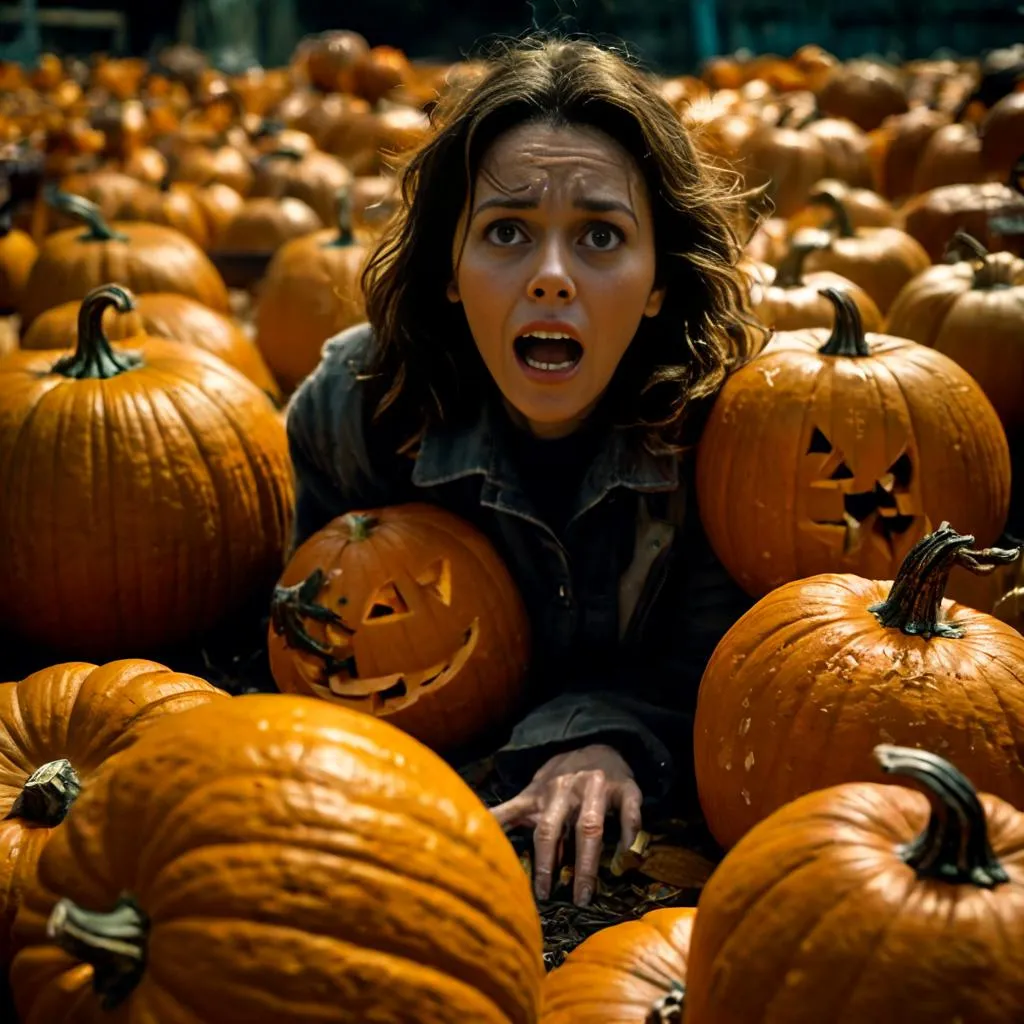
(552,277)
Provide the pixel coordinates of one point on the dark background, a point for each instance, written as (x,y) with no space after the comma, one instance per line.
(670,35)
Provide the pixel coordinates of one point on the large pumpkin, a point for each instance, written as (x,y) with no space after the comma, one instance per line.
(147,491)
(57,727)
(144,257)
(973,312)
(857,904)
(838,453)
(407,612)
(631,973)
(311,291)
(278,859)
(804,685)
(160,315)
(263,225)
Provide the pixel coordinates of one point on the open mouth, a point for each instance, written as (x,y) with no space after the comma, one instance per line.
(548,352)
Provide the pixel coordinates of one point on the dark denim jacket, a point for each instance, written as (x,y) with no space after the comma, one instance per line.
(625,607)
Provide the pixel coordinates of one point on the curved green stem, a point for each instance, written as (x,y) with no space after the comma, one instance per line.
(847,337)
(790,273)
(954,846)
(83,209)
(113,944)
(48,794)
(344,236)
(93,356)
(914,604)
(360,524)
(962,240)
(840,223)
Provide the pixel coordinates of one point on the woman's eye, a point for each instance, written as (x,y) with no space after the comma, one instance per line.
(505,232)
(603,237)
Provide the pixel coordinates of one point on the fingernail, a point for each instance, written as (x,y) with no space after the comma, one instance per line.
(585,894)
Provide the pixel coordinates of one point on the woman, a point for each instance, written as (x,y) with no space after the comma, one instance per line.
(546,317)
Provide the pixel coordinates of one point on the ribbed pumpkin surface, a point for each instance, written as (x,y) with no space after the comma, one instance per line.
(297,862)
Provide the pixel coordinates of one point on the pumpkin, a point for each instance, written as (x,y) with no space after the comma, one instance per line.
(263,225)
(17,255)
(316,178)
(203,164)
(880,260)
(370,140)
(991,212)
(868,902)
(846,150)
(374,198)
(630,973)
(864,92)
(863,207)
(311,291)
(331,57)
(786,161)
(952,156)
(57,727)
(110,190)
(312,865)
(172,206)
(850,447)
(973,312)
(407,613)
(149,490)
(789,301)
(161,315)
(803,686)
(380,71)
(146,164)
(146,257)
(218,203)
(1002,136)
(896,146)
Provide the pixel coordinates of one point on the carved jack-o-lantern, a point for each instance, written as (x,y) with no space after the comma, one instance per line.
(839,457)
(407,613)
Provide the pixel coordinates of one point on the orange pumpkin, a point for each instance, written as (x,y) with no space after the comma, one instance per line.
(161,315)
(850,448)
(804,685)
(170,205)
(57,727)
(630,973)
(148,491)
(408,613)
(846,150)
(863,208)
(335,870)
(858,904)
(263,225)
(17,255)
(864,92)
(331,57)
(146,257)
(786,161)
(896,146)
(973,312)
(952,156)
(316,178)
(880,260)
(311,291)
(1002,136)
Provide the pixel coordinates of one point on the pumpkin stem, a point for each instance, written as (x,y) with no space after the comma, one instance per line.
(344,200)
(847,337)
(840,222)
(914,604)
(954,847)
(48,794)
(93,356)
(669,1008)
(360,524)
(286,153)
(113,944)
(962,240)
(84,209)
(791,270)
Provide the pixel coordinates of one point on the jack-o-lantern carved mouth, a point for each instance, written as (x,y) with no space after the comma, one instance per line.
(885,512)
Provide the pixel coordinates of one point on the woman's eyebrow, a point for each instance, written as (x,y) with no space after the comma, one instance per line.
(583,203)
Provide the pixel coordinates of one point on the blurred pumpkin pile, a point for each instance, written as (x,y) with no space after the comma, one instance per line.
(176,244)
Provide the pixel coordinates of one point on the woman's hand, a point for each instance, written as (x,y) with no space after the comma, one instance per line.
(582,786)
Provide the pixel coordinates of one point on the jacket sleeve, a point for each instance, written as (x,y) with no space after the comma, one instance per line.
(646,709)
(326,438)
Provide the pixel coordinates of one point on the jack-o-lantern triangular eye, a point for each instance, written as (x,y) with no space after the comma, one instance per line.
(387,603)
(437,578)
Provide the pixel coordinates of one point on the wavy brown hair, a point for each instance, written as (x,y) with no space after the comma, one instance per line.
(425,363)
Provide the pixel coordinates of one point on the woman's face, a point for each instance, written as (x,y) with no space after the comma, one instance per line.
(554,266)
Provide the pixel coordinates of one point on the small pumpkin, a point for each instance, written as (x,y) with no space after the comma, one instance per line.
(57,727)
(864,208)
(846,150)
(218,203)
(884,439)
(146,257)
(161,315)
(864,92)
(313,864)
(880,260)
(315,178)
(868,902)
(149,491)
(311,291)
(17,255)
(263,225)
(330,59)
(896,146)
(204,163)
(790,301)
(951,157)
(973,312)
(170,205)
(407,613)
(1002,136)
(630,973)
(786,161)
(803,686)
